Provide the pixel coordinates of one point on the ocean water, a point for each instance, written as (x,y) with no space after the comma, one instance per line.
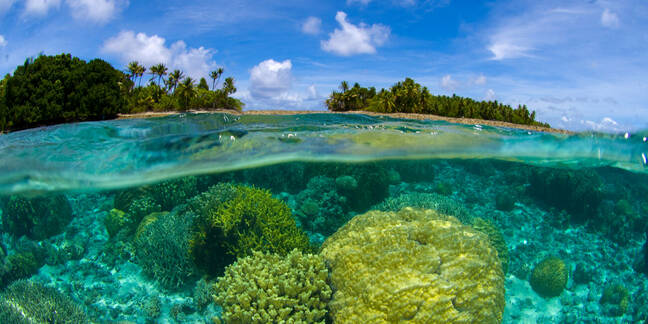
(321,218)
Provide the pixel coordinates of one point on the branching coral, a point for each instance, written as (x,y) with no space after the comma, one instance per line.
(28,302)
(413,265)
(38,218)
(234,220)
(268,288)
(440,203)
(320,208)
(162,247)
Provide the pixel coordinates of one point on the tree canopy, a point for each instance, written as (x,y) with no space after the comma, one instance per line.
(55,89)
(410,97)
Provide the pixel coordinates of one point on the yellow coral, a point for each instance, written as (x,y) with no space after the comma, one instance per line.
(413,265)
(268,288)
(496,238)
(115,221)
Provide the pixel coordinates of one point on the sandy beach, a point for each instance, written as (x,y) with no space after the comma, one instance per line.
(468,121)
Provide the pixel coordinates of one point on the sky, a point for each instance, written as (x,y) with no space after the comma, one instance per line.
(581,65)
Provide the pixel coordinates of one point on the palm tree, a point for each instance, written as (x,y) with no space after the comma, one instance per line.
(174,78)
(228,86)
(215,75)
(344,86)
(186,91)
(159,70)
(140,69)
(132,69)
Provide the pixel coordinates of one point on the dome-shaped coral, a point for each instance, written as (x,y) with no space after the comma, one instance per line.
(549,277)
(413,265)
(268,288)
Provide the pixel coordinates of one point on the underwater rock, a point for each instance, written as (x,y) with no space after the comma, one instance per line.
(38,218)
(413,265)
(234,220)
(268,288)
(504,201)
(549,277)
(29,302)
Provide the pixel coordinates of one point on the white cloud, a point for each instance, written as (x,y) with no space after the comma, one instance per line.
(362,2)
(609,19)
(312,26)
(312,92)
(271,79)
(3,41)
(505,49)
(490,95)
(480,80)
(150,50)
(40,7)
(448,84)
(355,39)
(100,11)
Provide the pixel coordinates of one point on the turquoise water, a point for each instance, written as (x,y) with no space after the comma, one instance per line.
(139,220)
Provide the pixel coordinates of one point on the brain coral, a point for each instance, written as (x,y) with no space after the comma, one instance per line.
(268,288)
(549,277)
(413,265)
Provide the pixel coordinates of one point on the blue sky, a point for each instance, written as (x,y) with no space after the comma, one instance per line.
(579,64)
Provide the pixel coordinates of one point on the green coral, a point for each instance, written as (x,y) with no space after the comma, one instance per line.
(268,288)
(36,217)
(549,277)
(320,207)
(496,238)
(17,266)
(115,221)
(162,248)
(25,302)
(615,299)
(234,220)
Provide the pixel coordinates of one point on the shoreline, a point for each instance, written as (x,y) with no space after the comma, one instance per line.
(455,120)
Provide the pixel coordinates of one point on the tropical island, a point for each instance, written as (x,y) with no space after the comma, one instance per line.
(57,89)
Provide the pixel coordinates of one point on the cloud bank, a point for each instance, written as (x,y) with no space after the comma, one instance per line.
(150,50)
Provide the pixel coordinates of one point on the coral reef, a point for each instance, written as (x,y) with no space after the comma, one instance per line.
(28,302)
(17,266)
(615,300)
(234,220)
(162,247)
(440,203)
(413,265)
(268,288)
(171,193)
(320,208)
(38,218)
(115,221)
(496,238)
(577,192)
(549,277)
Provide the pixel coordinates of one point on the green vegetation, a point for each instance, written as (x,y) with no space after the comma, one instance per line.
(410,97)
(49,90)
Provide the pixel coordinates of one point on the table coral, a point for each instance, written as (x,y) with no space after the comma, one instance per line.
(413,265)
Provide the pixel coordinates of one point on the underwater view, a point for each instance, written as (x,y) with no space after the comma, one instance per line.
(321,218)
